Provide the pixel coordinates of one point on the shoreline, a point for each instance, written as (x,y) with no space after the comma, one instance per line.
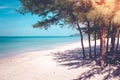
(47,50)
(60,63)
(39,48)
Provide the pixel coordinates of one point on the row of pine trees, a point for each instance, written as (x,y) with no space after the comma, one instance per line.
(100,18)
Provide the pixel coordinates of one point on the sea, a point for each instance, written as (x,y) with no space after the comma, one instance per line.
(10,45)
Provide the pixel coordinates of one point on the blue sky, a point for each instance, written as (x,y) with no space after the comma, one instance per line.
(14,24)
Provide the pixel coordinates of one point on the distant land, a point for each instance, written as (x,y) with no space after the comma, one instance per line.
(76,34)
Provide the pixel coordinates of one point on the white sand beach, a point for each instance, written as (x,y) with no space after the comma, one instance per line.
(54,64)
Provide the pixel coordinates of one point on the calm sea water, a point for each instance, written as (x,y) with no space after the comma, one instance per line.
(12,45)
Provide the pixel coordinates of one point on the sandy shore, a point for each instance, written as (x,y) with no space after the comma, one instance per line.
(60,63)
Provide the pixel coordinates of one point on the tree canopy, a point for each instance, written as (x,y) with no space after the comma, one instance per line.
(102,14)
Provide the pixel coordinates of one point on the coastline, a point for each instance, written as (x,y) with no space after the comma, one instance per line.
(53,49)
(49,48)
(48,65)
(15,45)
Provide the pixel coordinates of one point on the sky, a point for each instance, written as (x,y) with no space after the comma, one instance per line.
(13,23)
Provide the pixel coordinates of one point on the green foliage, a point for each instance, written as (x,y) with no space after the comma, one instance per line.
(62,11)
(50,11)
(72,12)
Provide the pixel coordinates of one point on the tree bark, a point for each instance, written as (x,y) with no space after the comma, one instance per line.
(95,44)
(108,35)
(81,41)
(88,25)
(103,49)
(113,35)
(118,35)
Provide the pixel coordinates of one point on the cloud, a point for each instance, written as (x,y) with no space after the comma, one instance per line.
(5,7)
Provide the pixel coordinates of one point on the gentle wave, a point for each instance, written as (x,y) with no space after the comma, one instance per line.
(16,44)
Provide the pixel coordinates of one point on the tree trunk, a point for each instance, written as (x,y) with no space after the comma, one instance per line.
(81,41)
(95,44)
(108,35)
(103,49)
(118,35)
(88,25)
(113,35)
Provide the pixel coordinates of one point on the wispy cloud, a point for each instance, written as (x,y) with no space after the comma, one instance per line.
(5,7)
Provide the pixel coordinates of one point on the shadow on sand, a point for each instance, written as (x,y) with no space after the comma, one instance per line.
(73,60)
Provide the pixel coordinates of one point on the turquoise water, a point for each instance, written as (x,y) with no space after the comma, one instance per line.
(12,45)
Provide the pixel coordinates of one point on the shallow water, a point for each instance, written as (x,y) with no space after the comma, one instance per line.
(17,44)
